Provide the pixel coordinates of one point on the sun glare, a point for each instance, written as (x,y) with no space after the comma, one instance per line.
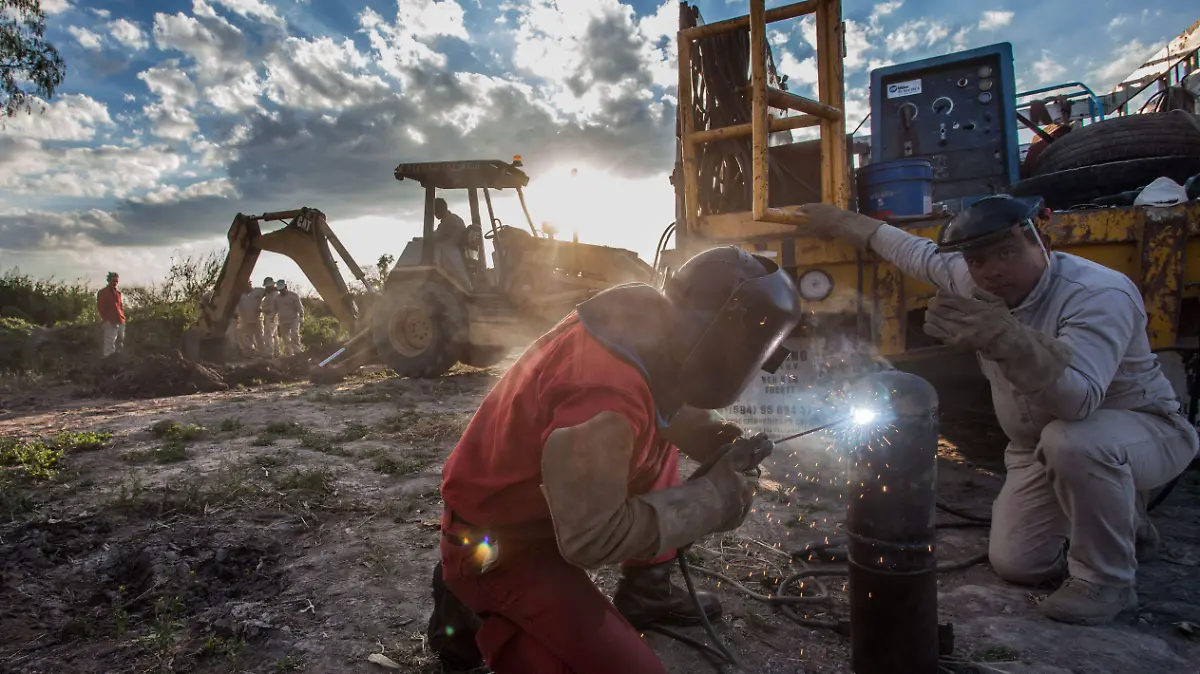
(602,208)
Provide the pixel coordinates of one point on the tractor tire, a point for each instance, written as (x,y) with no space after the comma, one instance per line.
(485,356)
(1150,135)
(419,329)
(1079,186)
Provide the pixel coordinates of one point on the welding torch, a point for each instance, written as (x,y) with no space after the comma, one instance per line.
(764,446)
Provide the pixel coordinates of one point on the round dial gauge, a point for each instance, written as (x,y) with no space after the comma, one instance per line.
(985,71)
(984,85)
(985,97)
(815,285)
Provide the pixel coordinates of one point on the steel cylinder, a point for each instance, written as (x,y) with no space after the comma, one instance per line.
(890,523)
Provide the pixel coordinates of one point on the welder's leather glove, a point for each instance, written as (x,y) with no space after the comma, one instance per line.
(830,222)
(1030,359)
(734,490)
(699,433)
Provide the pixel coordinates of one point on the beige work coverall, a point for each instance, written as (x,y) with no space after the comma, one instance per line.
(249,314)
(1081,450)
(290,312)
(270,323)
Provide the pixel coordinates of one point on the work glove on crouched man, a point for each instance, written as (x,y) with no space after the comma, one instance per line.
(571,463)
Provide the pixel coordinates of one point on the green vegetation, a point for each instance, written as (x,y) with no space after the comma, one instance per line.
(169,429)
(40,459)
(45,324)
(30,67)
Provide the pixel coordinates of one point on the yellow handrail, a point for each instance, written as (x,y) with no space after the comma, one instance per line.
(828,112)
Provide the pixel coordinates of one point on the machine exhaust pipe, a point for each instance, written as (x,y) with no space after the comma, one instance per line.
(890,526)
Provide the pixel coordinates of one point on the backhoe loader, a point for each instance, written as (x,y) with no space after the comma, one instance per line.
(441,304)
(434,312)
(306,239)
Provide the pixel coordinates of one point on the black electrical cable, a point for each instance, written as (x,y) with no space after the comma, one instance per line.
(721,651)
(787,603)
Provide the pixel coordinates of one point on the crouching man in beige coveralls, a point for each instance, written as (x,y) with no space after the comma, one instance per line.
(1090,417)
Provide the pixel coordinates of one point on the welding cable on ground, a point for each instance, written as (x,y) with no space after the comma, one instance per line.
(721,652)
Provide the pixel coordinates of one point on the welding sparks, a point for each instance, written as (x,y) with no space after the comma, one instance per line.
(862,416)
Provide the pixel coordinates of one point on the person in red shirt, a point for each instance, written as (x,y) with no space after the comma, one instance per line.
(112,315)
(570,463)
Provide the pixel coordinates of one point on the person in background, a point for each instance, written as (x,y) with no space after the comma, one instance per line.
(249,318)
(270,322)
(290,313)
(111,309)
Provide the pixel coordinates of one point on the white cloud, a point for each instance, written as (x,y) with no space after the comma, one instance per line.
(960,38)
(228,80)
(917,32)
(86,38)
(27,167)
(171,115)
(102,13)
(1046,70)
(252,9)
(993,19)
(1127,60)
(216,187)
(593,59)
(402,45)
(171,85)
(129,34)
(883,9)
(802,72)
(70,117)
(1118,21)
(52,7)
(320,74)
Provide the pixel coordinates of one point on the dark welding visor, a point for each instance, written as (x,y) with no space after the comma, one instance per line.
(742,339)
(985,222)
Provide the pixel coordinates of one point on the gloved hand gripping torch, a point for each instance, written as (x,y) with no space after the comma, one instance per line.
(760,447)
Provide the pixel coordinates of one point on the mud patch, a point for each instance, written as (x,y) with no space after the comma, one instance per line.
(276,371)
(105,595)
(151,376)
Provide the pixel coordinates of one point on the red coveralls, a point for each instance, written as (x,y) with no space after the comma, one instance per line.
(540,613)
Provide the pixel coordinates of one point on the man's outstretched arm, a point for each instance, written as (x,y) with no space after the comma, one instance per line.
(916,256)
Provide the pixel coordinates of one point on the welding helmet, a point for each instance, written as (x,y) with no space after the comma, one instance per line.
(732,312)
(986,221)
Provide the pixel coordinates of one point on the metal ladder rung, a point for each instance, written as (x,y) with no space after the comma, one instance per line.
(741,130)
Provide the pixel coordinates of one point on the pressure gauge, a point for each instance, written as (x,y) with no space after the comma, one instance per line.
(985,71)
(815,285)
(984,85)
(985,97)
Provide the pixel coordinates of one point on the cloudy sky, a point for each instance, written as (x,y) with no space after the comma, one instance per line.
(178,114)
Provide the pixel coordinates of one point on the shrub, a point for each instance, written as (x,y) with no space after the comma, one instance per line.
(319,333)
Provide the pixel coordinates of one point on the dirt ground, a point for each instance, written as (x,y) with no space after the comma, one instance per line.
(290,527)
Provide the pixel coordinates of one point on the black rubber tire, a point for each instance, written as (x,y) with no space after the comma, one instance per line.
(1065,189)
(485,356)
(1156,134)
(447,320)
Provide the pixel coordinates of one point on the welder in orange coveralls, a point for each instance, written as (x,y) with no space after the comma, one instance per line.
(570,463)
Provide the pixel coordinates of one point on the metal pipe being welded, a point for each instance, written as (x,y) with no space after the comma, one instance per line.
(890,526)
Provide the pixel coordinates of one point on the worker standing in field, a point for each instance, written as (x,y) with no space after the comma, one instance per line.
(290,313)
(1091,419)
(111,308)
(570,463)
(270,317)
(249,318)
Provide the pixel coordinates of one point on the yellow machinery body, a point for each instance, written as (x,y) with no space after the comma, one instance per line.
(306,239)
(871,301)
